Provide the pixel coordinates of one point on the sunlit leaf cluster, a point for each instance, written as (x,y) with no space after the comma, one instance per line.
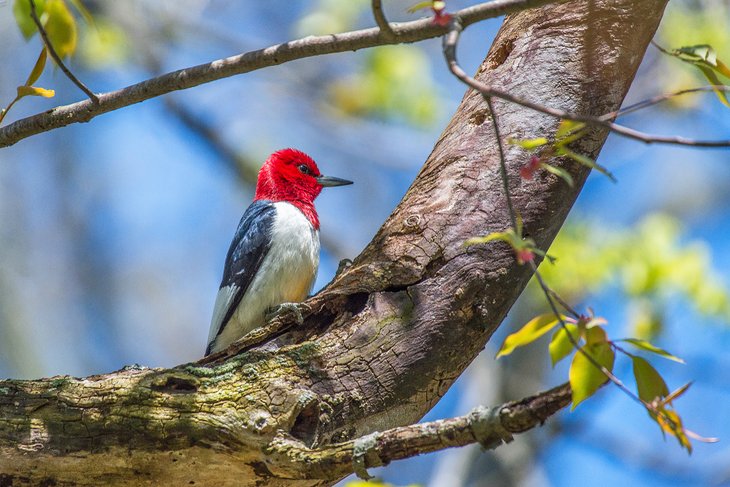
(686,25)
(388,83)
(704,57)
(650,263)
(594,355)
(544,148)
(61,31)
(394,82)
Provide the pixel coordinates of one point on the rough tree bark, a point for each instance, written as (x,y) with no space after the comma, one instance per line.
(385,340)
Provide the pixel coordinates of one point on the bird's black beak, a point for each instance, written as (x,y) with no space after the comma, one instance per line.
(326,181)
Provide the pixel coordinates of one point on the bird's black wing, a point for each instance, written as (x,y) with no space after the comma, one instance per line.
(248,249)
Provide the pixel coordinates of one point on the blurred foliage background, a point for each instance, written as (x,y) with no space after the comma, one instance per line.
(114,233)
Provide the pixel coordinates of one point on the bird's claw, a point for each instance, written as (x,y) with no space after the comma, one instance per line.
(342,266)
(288,309)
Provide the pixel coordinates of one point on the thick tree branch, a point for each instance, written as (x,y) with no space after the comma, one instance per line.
(490,427)
(86,110)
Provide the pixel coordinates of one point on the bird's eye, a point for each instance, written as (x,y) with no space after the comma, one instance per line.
(303,168)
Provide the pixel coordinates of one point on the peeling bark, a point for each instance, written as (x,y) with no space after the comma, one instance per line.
(387,338)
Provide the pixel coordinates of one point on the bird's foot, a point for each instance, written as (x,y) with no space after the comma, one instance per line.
(285,310)
(342,266)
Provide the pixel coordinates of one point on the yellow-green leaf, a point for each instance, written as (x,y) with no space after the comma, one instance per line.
(560,344)
(645,345)
(586,161)
(595,335)
(558,171)
(676,393)
(21,10)
(35,91)
(83,11)
(704,57)
(533,330)
(585,378)
(649,382)
(723,69)
(670,422)
(40,64)
(60,26)
(715,81)
(567,127)
(503,236)
(420,6)
(528,144)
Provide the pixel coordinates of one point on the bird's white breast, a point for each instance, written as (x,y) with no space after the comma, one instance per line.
(286,274)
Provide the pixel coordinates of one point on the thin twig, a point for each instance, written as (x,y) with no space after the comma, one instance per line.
(502,165)
(660,98)
(57,58)
(386,31)
(450,43)
(309,46)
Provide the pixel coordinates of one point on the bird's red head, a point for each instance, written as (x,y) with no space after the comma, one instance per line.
(291,175)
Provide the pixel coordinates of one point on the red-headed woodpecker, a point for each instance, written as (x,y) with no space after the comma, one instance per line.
(274,255)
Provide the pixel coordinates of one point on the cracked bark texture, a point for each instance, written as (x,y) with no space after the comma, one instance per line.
(386,339)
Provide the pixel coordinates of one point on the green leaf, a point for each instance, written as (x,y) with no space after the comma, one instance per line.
(715,81)
(676,393)
(558,171)
(704,57)
(21,10)
(40,64)
(649,382)
(83,11)
(568,127)
(528,144)
(533,330)
(560,344)
(645,345)
(670,422)
(595,335)
(60,26)
(420,6)
(35,91)
(586,161)
(700,53)
(585,378)
(723,69)
(503,236)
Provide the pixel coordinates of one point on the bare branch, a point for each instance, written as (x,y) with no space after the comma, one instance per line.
(57,58)
(406,32)
(491,427)
(660,98)
(450,43)
(385,30)
(502,164)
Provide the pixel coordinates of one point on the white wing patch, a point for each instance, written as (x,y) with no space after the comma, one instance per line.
(223,301)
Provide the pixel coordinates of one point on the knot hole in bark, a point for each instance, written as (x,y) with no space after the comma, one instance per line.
(500,54)
(306,424)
